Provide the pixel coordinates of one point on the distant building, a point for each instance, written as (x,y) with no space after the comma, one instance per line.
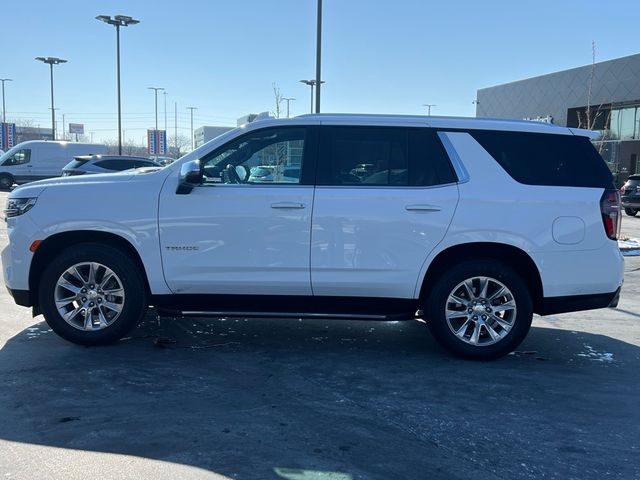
(562,97)
(24,134)
(203,134)
(247,119)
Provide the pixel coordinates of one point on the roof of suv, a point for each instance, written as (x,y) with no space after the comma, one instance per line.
(462,123)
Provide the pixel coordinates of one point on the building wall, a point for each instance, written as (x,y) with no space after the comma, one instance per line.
(615,81)
(203,134)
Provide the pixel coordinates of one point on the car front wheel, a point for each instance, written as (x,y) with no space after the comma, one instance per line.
(92,294)
(479,309)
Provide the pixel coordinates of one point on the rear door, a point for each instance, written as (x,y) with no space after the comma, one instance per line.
(385,197)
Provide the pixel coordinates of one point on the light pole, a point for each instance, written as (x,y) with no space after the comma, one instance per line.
(311,83)
(165,111)
(192,141)
(118,21)
(318,56)
(429,105)
(155,90)
(4,109)
(287,100)
(51,61)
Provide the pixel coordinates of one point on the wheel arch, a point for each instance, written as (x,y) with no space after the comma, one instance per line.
(515,257)
(58,242)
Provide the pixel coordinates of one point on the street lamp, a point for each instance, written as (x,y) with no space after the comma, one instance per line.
(311,83)
(4,109)
(429,105)
(52,61)
(318,56)
(287,100)
(165,111)
(155,89)
(192,141)
(118,21)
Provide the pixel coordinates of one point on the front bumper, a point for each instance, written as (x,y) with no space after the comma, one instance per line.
(576,303)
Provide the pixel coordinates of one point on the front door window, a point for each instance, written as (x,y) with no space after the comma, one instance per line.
(270,156)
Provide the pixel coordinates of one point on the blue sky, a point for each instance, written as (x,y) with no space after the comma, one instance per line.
(379,56)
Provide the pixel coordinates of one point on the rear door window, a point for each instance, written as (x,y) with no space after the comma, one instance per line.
(382,156)
(546,159)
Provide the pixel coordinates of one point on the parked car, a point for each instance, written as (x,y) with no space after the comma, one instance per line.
(40,159)
(268,173)
(436,232)
(162,160)
(104,164)
(630,192)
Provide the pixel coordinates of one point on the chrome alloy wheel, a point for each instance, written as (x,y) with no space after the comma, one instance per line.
(480,311)
(89,296)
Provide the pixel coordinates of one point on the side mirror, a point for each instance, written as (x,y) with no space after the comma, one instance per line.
(190,176)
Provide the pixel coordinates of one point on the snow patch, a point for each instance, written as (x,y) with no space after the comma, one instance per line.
(592,354)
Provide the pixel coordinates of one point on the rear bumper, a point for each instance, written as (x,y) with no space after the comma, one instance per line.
(630,203)
(576,303)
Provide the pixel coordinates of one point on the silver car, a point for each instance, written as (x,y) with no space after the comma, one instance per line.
(105,164)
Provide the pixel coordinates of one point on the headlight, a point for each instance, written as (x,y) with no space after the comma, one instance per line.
(18,206)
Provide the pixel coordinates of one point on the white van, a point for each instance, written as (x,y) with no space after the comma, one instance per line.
(40,159)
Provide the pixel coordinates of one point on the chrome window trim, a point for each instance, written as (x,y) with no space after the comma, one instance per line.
(456,161)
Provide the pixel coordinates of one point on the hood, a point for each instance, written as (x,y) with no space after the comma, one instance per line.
(34,189)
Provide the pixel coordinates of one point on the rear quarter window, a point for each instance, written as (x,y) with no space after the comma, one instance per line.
(547,159)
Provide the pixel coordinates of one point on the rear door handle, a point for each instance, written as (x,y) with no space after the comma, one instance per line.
(422,208)
(287,205)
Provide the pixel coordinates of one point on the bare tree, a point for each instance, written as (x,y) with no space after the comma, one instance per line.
(278,97)
(589,117)
(178,144)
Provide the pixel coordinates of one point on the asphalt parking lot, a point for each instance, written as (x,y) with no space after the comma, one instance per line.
(317,400)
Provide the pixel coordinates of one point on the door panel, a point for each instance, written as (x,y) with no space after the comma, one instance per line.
(368,243)
(228,239)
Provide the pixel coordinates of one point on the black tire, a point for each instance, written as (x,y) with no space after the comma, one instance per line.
(133,306)
(436,304)
(631,211)
(6,181)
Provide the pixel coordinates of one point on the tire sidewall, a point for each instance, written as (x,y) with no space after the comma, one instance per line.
(122,266)
(631,211)
(435,304)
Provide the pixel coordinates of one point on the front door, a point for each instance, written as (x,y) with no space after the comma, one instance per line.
(246,229)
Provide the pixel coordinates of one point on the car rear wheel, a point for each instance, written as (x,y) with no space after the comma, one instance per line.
(92,294)
(631,211)
(6,181)
(479,309)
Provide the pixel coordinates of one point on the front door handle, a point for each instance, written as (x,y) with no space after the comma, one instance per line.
(422,208)
(287,205)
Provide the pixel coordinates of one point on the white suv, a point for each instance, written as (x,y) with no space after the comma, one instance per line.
(473,225)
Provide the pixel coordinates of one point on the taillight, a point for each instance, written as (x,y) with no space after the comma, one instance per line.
(610,209)
(622,190)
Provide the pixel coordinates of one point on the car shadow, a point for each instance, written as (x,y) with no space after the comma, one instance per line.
(260,399)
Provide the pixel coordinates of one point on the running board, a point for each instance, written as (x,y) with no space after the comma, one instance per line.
(305,315)
(290,306)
